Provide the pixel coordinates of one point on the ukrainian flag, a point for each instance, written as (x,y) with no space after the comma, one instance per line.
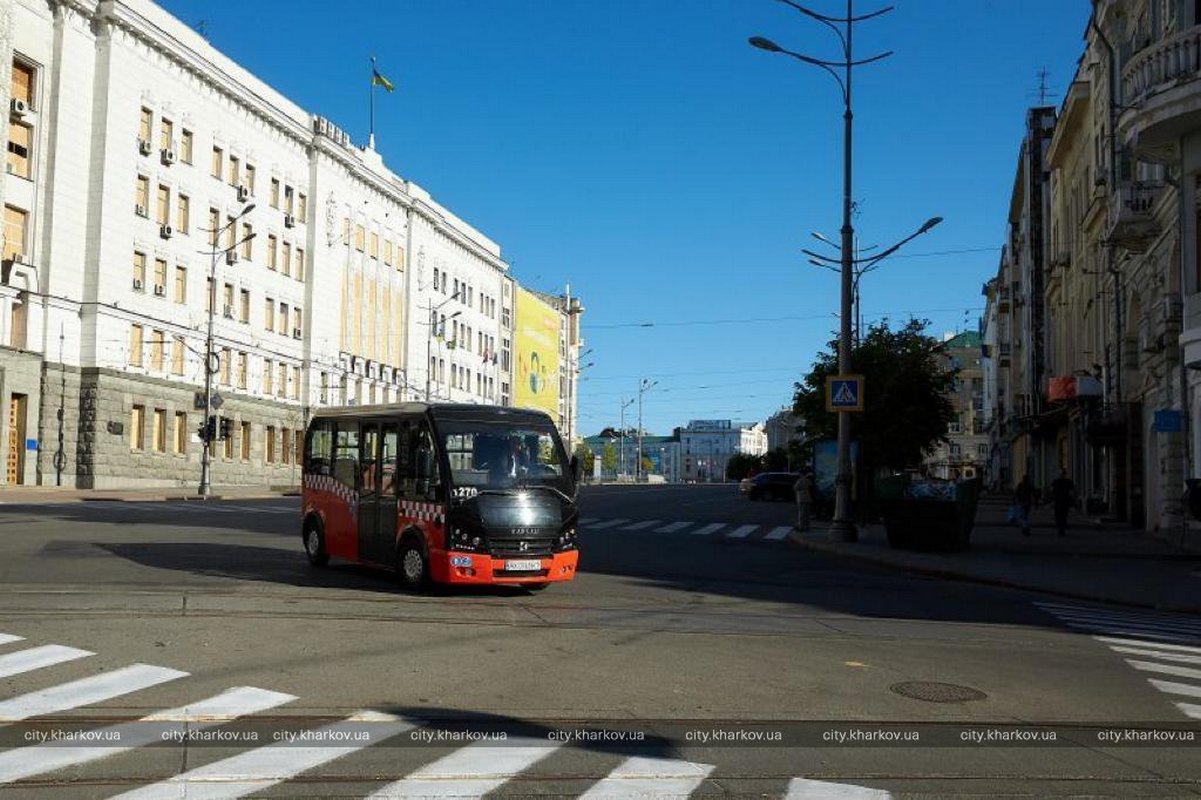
(379,80)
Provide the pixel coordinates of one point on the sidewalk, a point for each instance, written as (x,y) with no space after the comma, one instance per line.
(14,495)
(1099,562)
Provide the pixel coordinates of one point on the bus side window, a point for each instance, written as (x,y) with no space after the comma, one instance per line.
(320,450)
(388,461)
(346,453)
(426,461)
(404,460)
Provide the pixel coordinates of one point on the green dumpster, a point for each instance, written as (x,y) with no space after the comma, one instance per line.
(923,514)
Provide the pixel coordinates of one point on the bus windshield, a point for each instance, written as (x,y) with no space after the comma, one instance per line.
(503,456)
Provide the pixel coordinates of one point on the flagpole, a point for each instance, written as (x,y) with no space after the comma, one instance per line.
(371,128)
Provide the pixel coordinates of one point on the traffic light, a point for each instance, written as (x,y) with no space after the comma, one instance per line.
(208,430)
(227,428)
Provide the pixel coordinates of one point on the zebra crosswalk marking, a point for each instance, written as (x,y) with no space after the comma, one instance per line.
(609,523)
(641,776)
(86,691)
(8,638)
(263,767)
(776,534)
(471,771)
(1171,687)
(1160,654)
(741,532)
(37,658)
(25,762)
(705,530)
(806,789)
(637,526)
(672,527)
(1166,669)
(1175,648)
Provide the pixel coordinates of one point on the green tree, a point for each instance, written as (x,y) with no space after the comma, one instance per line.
(609,459)
(584,453)
(907,406)
(740,465)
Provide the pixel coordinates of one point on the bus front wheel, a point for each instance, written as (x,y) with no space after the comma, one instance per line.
(412,568)
(314,543)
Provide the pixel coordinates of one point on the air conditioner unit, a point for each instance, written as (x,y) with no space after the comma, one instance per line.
(243,194)
(144,147)
(166,231)
(296,333)
(18,258)
(160,290)
(231,257)
(228,312)
(137,284)
(168,157)
(289,221)
(19,107)
(140,210)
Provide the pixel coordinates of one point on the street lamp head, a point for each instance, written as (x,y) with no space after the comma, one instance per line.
(765,44)
(457,313)
(246,210)
(930,223)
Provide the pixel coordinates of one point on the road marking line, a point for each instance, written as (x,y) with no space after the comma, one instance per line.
(38,657)
(1166,669)
(650,777)
(1120,616)
(637,526)
(25,762)
(806,789)
(86,691)
(1174,627)
(776,534)
(1184,648)
(589,520)
(1130,631)
(672,527)
(1171,687)
(742,531)
(1177,657)
(471,771)
(609,523)
(263,767)
(705,530)
(1190,709)
(8,638)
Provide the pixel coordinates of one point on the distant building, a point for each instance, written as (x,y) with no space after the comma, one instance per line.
(966,453)
(782,428)
(708,445)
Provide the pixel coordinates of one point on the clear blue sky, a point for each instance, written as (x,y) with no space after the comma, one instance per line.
(643,152)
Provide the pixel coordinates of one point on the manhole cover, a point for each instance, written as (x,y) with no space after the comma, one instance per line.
(934,692)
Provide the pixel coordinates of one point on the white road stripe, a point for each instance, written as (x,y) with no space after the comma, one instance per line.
(6,638)
(806,789)
(1166,669)
(38,657)
(1171,687)
(742,531)
(1149,618)
(471,771)
(258,769)
(1128,630)
(776,534)
(673,527)
(25,762)
(589,520)
(650,777)
(1190,709)
(86,691)
(1180,658)
(1183,648)
(1172,627)
(637,526)
(705,530)
(609,523)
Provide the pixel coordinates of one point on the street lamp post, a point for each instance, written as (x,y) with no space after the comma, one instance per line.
(429,339)
(842,526)
(205,489)
(645,386)
(621,466)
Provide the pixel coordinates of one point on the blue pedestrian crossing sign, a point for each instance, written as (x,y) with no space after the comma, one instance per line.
(844,393)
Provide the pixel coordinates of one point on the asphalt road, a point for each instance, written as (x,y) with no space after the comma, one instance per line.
(698,653)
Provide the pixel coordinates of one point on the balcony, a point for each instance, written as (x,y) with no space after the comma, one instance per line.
(1160,95)
(1132,222)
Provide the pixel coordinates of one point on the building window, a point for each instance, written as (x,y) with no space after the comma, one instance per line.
(135,345)
(244,441)
(285,451)
(275,192)
(288,200)
(181,285)
(160,276)
(185,146)
(218,161)
(269,314)
(141,197)
(269,442)
(234,170)
(296,318)
(302,207)
(166,134)
(20,138)
(158,431)
(182,212)
(295,382)
(283,318)
(244,306)
(248,176)
(227,447)
(145,123)
(247,241)
(272,244)
(179,442)
(286,259)
(359,236)
(177,357)
(226,357)
(139,270)
(156,350)
(388,252)
(14,232)
(374,249)
(163,208)
(228,296)
(242,360)
(267,375)
(137,421)
(298,265)
(281,388)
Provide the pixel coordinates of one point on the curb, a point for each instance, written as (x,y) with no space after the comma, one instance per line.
(949,574)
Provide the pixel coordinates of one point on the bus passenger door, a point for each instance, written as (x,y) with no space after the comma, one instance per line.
(369,491)
(389,484)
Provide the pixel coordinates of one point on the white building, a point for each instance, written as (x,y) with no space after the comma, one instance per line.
(129,139)
(707,446)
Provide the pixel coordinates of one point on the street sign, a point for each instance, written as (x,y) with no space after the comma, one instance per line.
(1168,420)
(844,393)
(216,401)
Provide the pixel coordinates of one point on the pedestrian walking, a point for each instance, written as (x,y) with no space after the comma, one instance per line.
(1063,497)
(804,500)
(1023,498)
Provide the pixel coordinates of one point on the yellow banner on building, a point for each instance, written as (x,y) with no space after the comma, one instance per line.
(536,346)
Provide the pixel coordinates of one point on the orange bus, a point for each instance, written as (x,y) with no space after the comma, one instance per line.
(448,493)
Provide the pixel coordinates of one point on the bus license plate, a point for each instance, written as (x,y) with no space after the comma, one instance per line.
(523,566)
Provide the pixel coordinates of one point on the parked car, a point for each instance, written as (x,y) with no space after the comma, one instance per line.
(771,486)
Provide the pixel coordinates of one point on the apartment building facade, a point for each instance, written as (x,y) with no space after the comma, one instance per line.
(966,452)
(153,184)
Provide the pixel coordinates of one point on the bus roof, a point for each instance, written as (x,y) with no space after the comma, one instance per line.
(437,410)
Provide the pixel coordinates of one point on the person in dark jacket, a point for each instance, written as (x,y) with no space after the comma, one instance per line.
(1063,497)
(1023,498)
